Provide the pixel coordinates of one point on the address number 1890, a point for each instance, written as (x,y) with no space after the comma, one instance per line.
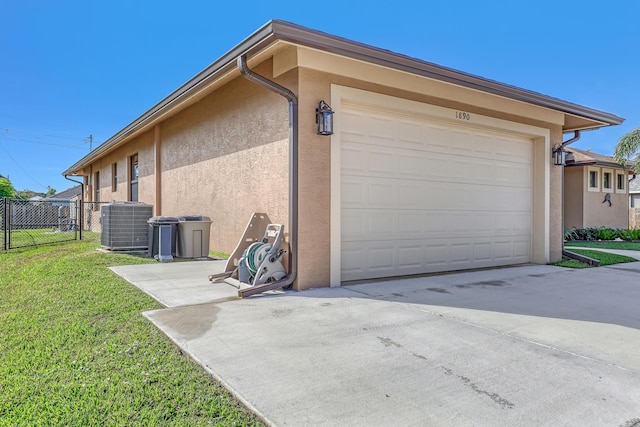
(460,115)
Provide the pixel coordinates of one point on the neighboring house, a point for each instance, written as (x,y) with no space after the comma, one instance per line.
(428,169)
(595,191)
(72,193)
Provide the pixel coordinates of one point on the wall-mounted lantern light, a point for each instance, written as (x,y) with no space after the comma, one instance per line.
(324,119)
(559,156)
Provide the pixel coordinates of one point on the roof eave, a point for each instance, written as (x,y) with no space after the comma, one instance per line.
(312,38)
(255,42)
(288,32)
(599,163)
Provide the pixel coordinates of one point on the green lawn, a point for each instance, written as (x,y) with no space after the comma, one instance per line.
(604,258)
(606,244)
(30,237)
(76,350)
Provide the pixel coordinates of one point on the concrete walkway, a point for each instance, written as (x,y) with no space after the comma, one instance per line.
(529,345)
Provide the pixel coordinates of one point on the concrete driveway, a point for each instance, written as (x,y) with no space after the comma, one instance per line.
(521,346)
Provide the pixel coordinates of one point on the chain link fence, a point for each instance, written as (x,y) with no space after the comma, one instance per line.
(91,220)
(36,222)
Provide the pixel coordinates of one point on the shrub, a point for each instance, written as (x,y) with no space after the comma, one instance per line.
(608,233)
(601,233)
(581,234)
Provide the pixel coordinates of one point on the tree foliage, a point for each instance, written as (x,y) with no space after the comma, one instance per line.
(6,188)
(628,149)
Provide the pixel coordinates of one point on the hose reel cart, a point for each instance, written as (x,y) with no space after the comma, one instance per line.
(256,262)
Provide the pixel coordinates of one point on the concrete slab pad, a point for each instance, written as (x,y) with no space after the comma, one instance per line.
(181,283)
(516,346)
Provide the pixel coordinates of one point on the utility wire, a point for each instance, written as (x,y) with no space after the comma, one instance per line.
(28,141)
(21,168)
(7,130)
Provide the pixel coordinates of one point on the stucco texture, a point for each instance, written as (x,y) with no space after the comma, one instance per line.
(224,157)
(584,208)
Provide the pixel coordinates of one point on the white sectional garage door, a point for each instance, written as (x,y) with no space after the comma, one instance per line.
(420,195)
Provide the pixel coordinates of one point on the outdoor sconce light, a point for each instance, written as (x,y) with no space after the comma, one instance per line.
(559,156)
(324,119)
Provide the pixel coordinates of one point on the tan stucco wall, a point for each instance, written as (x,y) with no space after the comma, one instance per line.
(224,157)
(599,214)
(143,145)
(556,231)
(573,197)
(584,208)
(227,157)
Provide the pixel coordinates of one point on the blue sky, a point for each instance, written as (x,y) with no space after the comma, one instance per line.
(70,69)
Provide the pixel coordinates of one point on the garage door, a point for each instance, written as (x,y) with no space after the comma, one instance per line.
(420,195)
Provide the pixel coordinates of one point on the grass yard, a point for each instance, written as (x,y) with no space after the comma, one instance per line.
(605,244)
(76,350)
(22,238)
(605,258)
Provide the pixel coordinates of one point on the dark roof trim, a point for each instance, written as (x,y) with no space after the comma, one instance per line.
(296,34)
(597,163)
(588,158)
(323,41)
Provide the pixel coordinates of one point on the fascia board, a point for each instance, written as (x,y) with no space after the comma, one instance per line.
(311,38)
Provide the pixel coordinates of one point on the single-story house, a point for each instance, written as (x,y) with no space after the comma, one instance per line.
(72,194)
(426,169)
(596,190)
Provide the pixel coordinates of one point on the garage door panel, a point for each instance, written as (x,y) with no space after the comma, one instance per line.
(410,257)
(437,257)
(413,167)
(482,252)
(522,249)
(380,259)
(416,257)
(354,159)
(353,125)
(435,139)
(360,159)
(353,193)
(353,262)
(431,195)
(410,132)
(422,196)
(389,225)
(487,174)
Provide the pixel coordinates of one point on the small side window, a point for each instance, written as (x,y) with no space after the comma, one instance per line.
(607,180)
(594,179)
(114,177)
(621,183)
(133,180)
(96,190)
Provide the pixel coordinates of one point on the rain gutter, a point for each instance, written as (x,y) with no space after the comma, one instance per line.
(576,136)
(293,175)
(79,208)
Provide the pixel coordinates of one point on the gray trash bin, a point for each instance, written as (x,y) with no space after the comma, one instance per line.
(193,236)
(162,237)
